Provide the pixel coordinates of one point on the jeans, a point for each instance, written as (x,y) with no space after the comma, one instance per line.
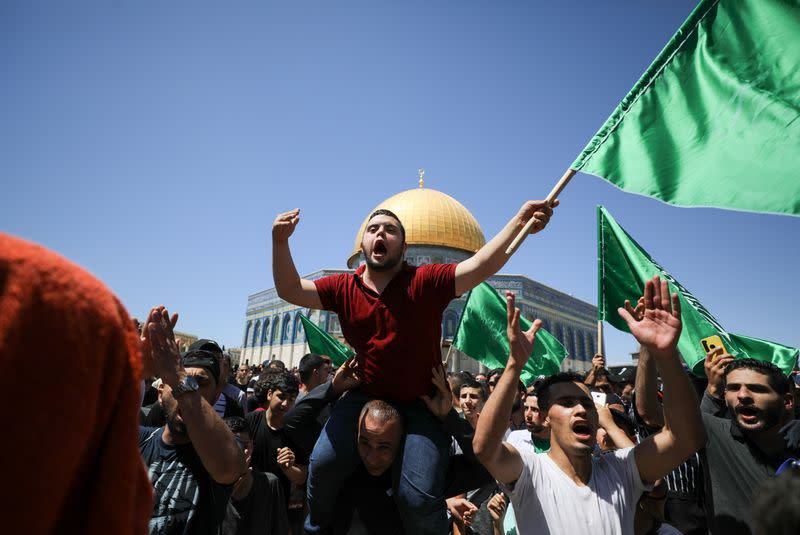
(419,474)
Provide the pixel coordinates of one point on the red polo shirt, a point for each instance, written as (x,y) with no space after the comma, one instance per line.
(396,334)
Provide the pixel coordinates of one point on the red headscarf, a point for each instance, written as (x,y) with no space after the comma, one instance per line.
(70,372)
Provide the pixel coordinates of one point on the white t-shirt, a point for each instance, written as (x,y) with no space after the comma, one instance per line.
(520,439)
(545,500)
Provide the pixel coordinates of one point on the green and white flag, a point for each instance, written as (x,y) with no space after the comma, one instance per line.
(481,334)
(714,120)
(322,343)
(623,269)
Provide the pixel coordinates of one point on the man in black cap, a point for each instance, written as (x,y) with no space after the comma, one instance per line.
(193,460)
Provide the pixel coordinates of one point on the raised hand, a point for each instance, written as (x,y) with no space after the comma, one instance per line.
(160,338)
(604,418)
(520,343)
(442,401)
(716,362)
(540,211)
(598,362)
(660,326)
(148,366)
(638,312)
(284,225)
(346,377)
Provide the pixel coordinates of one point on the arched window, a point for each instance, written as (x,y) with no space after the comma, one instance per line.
(587,345)
(298,329)
(286,327)
(557,333)
(247,333)
(449,324)
(569,342)
(256,332)
(333,324)
(265,332)
(275,332)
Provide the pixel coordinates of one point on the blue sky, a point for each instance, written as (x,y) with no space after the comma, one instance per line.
(153,143)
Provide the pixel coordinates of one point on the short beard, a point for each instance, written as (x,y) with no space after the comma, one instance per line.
(388,265)
(536,429)
(177,429)
(771,418)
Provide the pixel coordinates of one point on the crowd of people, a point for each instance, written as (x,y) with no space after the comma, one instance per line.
(388,442)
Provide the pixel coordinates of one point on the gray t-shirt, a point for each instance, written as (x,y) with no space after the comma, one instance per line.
(545,500)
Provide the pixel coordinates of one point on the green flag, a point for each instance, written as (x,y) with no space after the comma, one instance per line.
(623,269)
(713,121)
(322,343)
(481,334)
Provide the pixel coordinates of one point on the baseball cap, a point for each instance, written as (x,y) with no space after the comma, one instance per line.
(205,354)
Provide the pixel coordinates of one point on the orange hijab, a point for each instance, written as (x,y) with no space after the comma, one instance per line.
(70,378)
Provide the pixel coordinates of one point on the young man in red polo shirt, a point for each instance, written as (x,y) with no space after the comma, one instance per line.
(391,313)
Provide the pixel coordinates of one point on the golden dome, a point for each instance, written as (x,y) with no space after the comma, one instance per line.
(430,217)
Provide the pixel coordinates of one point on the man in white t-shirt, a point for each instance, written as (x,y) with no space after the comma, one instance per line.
(568,490)
(535,435)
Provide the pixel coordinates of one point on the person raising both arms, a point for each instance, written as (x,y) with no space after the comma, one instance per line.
(391,314)
(603,490)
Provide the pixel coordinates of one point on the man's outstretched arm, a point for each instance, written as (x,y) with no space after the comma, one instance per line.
(492,256)
(288,284)
(210,437)
(501,459)
(683,433)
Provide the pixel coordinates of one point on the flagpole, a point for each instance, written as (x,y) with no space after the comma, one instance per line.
(556,191)
(447,358)
(600,337)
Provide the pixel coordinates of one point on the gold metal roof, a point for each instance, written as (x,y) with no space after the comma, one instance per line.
(431,217)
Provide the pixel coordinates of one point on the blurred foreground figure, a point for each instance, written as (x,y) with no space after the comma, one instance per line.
(75,467)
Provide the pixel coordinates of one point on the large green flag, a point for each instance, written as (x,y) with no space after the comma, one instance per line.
(322,343)
(714,120)
(623,269)
(481,334)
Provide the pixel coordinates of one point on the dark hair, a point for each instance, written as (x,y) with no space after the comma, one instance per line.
(309,363)
(497,372)
(384,211)
(279,364)
(777,380)
(623,422)
(236,424)
(472,383)
(456,379)
(543,392)
(275,380)
(381,411)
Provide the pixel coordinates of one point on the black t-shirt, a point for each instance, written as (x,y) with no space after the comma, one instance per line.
(371,498)
(266,442)
(261,512)
(187,500)
(735,468)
